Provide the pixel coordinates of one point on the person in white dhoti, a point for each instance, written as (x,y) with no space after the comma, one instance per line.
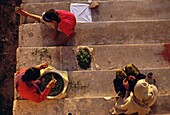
(140,101)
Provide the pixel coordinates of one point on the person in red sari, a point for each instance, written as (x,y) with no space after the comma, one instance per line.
(60,20)
(27,81)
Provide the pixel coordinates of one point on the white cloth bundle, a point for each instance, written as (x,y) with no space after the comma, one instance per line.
(81,12)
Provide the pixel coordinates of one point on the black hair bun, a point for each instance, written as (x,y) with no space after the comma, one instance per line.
(31,74)
(51,15)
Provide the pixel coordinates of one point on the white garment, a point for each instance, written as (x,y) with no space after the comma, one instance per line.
(81,12)
(140,101)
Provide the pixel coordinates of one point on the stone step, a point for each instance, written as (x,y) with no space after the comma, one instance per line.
(90,84)
(45,1)
(80,106)
(108,57)
(111,10)
(98,33)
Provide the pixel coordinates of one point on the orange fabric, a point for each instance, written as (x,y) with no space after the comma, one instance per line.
(21,71)
(68,22)
(32,92)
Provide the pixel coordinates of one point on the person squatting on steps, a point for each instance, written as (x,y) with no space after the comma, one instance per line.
(27,81)
(140,101)
(126,79)
(60,20)
(135,94)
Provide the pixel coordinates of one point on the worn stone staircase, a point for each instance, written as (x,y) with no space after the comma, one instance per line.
(122,32)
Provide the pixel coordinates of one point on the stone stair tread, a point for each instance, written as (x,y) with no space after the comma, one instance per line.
(46,1)
(64,58)
(99,33)
(111,10)
(81,106)
(94,83)
(122,32)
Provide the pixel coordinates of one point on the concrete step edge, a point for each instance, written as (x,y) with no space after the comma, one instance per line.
(133,10)
(80,86)
(119,21)
(25,2)
(85,1)
(75,106)
(109,45)
(141,69)
(157,52)
(93,97)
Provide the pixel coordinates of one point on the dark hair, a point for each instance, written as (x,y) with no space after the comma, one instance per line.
(150,74)
(31,74)
(51,15)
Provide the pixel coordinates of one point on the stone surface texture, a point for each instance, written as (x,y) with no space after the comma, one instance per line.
(122,32)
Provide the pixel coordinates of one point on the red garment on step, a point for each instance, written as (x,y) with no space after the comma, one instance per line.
(29,92)
(68,22)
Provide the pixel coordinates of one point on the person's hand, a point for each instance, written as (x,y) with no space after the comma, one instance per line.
(17,10)
(52,83)
(131,77)
(126,84)
(43,65)
(37,81)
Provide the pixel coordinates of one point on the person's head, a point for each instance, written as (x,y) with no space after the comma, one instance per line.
(131,69)
(145,92)
(150,75)
(120,73)
(31,74)
(51,15)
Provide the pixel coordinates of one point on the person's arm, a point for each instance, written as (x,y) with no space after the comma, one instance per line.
(42,96)
(127,94)
(25,13)
(117,86)
(55,25)
(126,85)
(42,66)
(21,71)
(56,28)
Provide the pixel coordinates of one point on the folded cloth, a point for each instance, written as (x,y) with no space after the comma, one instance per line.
(81,12)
